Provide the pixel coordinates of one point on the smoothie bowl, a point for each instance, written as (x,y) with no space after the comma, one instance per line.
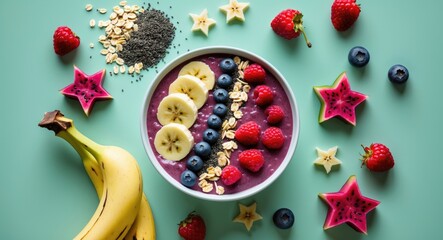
(220,123)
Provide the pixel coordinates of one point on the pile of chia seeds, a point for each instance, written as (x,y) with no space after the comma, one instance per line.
(150,43)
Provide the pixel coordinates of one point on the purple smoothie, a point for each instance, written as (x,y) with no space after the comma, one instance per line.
(251,112)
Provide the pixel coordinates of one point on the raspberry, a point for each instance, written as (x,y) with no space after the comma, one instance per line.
(274,114)
(289,24)
(230,175)
(378,158)
(263,95)
(64,40)
(344,13)
(254,74)
(248,133)
(251,159)
(273,138)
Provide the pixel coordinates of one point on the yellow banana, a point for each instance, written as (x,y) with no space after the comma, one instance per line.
(122,182)
(144,225)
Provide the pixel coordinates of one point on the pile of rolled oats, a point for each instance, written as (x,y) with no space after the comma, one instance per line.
(118,30)
(238,96)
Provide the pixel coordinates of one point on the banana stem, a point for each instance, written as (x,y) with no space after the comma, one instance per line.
(81,151)
(64,128)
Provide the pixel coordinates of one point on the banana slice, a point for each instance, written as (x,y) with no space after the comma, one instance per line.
(202,71)
(173,141)
(177,108)
(193,87)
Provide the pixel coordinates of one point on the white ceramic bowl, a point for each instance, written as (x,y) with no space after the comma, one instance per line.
(235,52)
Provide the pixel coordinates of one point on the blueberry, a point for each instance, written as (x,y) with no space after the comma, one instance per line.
(194,163)
(220,110)
(283,218)
(398,74)
(202,149)
(214,122)
(221,95)
(224,81)
(188,178)
(228,65)
(358,56)
(210,136)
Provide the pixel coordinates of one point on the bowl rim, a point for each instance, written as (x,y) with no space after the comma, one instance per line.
(219,50)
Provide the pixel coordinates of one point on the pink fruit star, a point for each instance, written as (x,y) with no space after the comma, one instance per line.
(348,206)
(339,100)
(87,89)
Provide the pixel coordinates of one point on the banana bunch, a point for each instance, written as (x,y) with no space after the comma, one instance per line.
(123,211)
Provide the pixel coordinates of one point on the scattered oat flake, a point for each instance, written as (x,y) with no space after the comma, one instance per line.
(102,10)
(88,7)
(122,69)
(238,114)
(219,189)
(230,134)
(92,23)
(208,188)
(131,69)
(222,161)
(91,45)
(237,60)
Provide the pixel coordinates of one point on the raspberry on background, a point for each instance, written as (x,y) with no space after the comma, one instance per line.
(64,40)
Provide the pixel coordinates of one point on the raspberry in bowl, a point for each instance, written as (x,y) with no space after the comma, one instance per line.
(202,114)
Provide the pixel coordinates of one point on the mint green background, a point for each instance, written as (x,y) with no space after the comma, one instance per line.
(45,193)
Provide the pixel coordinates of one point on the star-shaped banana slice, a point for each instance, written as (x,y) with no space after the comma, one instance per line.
(234,10)
(327,158)
(248,215)
(202,22)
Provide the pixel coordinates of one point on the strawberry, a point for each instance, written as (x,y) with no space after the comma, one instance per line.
(230,175)
(251,159)
(344,13)
(377,158)
(289,24)
(273,138)
(263,95)
(248,133)
(192,227)
(274,114)
(254,74)
(64,40)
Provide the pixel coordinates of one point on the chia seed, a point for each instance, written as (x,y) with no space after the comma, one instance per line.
(149,44)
